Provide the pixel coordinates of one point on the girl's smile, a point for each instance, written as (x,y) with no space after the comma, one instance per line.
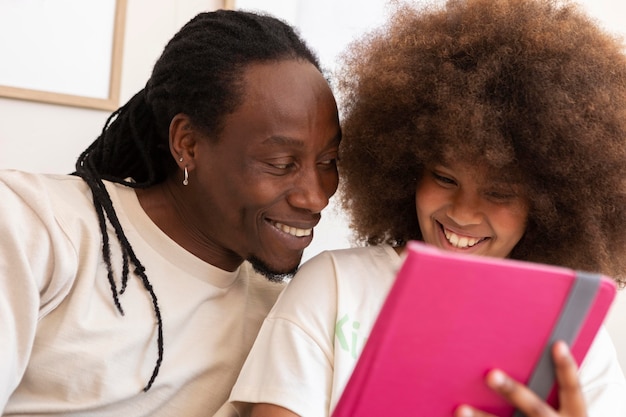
(460,207)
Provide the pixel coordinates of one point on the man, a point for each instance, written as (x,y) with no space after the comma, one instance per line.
(124,288)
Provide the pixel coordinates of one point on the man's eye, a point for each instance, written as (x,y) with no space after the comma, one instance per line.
(330,161)
(281,164)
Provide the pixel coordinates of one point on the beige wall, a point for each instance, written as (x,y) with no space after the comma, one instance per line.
(48,138)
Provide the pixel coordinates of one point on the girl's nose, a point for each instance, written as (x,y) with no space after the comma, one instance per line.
(465,209)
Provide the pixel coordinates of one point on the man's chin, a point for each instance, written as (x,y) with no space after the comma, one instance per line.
(271,273)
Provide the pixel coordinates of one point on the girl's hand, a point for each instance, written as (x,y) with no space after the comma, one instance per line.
(572,403)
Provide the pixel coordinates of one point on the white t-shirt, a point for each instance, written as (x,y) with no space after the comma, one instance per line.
(310,341)
(64,347)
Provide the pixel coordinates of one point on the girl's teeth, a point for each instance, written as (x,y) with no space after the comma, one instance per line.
(461,242)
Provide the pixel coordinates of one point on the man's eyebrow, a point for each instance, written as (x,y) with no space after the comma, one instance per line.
(286,140)
(283,140)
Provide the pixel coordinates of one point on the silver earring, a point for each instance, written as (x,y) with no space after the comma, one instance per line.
(186,179)
(181,159)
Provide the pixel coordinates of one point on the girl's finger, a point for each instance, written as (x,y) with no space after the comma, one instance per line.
(570,393)
(519,395)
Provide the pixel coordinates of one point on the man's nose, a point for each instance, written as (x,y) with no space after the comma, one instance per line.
(312,190)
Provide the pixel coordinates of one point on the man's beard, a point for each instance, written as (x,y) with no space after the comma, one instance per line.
(272,275)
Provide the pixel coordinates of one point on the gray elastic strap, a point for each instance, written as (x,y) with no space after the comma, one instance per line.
(578,303)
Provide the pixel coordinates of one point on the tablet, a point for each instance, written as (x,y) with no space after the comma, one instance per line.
(449,318)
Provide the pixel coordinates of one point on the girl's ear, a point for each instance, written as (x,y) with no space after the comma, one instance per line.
(182,141)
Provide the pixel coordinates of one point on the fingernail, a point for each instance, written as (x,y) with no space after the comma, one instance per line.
(465,411)
(562,349)
(497,378)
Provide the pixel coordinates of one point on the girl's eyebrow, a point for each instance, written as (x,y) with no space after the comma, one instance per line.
(507,178)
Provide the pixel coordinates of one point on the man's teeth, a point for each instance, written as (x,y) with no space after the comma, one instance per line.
(460,242)
(294,231)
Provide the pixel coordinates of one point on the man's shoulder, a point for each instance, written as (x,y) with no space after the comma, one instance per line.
(35,186)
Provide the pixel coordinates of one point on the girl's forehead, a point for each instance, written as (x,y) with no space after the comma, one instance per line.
(491,151)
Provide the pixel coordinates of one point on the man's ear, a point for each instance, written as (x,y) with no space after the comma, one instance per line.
(182,141)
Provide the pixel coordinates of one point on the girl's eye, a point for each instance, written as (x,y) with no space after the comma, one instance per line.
(501,196)
(443,179)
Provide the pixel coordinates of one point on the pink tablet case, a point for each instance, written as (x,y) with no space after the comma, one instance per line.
(450,318)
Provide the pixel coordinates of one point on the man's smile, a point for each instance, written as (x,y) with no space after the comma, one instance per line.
(292,230)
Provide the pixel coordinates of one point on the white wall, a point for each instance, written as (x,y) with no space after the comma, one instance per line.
(48,138)
(616,324)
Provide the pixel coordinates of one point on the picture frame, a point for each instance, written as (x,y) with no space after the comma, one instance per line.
(77,64)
